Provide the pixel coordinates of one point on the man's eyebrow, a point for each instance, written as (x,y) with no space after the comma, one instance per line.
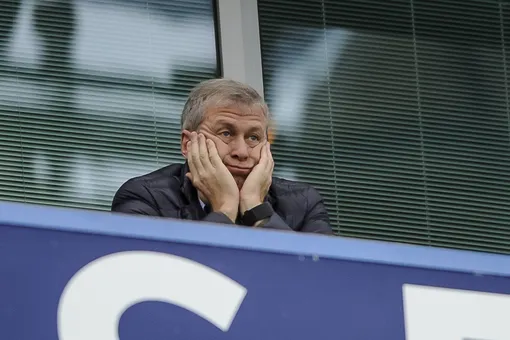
(227,124)
(223,123)
(257,128)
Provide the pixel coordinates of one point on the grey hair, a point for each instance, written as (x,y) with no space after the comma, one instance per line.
(215,92)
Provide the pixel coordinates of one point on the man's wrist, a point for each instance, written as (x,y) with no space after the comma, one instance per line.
(261,222)
(257,215)
(230,210)
(249,203)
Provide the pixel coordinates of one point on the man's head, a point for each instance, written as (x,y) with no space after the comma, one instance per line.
(234,116)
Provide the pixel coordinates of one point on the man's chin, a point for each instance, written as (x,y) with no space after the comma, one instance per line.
(239,181)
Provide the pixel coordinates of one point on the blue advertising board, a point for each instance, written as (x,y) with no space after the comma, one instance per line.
(74,275)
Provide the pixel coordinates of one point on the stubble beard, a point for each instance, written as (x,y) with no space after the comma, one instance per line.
(239,181)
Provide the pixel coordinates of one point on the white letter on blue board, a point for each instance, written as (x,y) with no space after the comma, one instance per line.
(453,314)
(95,298)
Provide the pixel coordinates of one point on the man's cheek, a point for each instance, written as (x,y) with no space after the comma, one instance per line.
(217,140)
(221,146)
(208,135)
(255,152)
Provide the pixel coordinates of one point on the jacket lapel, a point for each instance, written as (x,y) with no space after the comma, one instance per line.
(191,209)
(270,198)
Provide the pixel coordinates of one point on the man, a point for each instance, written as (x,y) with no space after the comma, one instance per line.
(227,177)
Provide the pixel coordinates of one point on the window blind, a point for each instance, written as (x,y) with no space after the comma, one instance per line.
(397,112)
(91,93)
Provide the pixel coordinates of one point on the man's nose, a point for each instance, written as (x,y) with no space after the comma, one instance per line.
(239,149)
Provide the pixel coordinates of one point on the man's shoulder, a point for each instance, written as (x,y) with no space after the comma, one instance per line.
(165,177)
(282,188)
(142,194)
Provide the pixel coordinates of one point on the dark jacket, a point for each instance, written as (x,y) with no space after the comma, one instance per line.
(167,192)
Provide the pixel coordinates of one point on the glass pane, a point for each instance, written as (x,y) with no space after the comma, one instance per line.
(91,93)
(402,123)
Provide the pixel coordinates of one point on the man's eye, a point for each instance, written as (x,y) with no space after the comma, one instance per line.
(254,138)
(225,134)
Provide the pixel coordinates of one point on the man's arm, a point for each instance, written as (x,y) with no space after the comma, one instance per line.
(133,197)
(217,217)
(316,219)
(211,177)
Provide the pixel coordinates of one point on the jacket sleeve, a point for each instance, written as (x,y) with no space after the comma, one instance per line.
(316,219)
(217,217)
(134,198)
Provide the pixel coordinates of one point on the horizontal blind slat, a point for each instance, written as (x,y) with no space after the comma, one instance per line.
(86,103)
(410,102)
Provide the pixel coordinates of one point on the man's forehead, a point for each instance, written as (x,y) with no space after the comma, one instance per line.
(238,106)
(249,125)
(217,112)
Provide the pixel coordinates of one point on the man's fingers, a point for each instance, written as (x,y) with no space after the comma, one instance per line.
(214,157)
(204,152)
(194,156)
(270,158)
(191,162)
(189,176)
(264,157)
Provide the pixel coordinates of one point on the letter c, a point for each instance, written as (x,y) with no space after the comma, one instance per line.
(95,298)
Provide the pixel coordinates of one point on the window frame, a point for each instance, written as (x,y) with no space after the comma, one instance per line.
(239,42)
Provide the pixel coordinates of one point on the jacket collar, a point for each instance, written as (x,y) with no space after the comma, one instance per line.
(187,188)
(192,208)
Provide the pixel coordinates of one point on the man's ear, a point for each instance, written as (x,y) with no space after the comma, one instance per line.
(270,132)
(185,138)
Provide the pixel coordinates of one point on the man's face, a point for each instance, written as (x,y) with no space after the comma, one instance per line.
(238,132)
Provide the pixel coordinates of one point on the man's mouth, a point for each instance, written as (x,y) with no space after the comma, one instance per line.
(234,170)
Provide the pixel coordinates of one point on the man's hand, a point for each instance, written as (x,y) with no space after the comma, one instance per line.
(211,177)
(257,184)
